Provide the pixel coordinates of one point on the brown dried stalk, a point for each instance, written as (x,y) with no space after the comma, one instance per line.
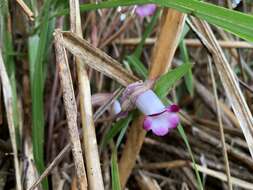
(67,148)
(96,59)
(145,182)
(8,103)
(189,42)
(166,44)
(95,180)
(26,9)
(171,27)
(223,177)
(118,33)
(105,62)
(229,81)
(225,155)
(169,165)
(51,166)
(30,171)
(210,172)
(71,110)
(208,98)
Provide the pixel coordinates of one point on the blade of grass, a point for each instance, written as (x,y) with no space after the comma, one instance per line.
(115,170)
(115,129)
(184,137)
(137,66)
(9,108)
(123,131)
(37,87)
(134,59)
(233,21)
(166,82)
(146,34)
(188,78)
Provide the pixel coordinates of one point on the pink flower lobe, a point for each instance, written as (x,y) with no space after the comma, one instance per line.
(145,10)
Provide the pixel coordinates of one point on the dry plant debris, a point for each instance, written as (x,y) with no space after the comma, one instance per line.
(84,82)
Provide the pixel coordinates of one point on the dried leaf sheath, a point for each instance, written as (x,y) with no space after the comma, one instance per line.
(71,109)
(94,174)
(96,59)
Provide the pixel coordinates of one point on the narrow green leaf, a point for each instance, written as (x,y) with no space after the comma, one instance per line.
(37,55)
(165,82)
(134,59)
(184,137)
(146,34)
(115,129)
(188,78)
(115,171)
(233,21)
(185,31)
(137,66)
(122,134)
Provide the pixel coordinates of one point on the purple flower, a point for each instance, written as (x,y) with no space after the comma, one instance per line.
(162,123)
(158,118)
(145,10)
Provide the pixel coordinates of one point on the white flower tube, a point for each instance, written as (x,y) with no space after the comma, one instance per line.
(148,103)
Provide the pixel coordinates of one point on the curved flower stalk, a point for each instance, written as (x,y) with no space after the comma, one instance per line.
(145,10)
(158,118)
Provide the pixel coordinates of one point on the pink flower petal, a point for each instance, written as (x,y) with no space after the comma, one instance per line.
(145,10)
(161,131)
(173,120)
(162,123)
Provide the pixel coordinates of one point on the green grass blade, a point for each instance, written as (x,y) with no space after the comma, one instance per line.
(146,34)
(233,21)
(115,129)
(163,85)
(37,58)
(137,66)
(122,134)
(185,31)
(134,59)
(165,82)
(115,171)
(188,78)
(184,137)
